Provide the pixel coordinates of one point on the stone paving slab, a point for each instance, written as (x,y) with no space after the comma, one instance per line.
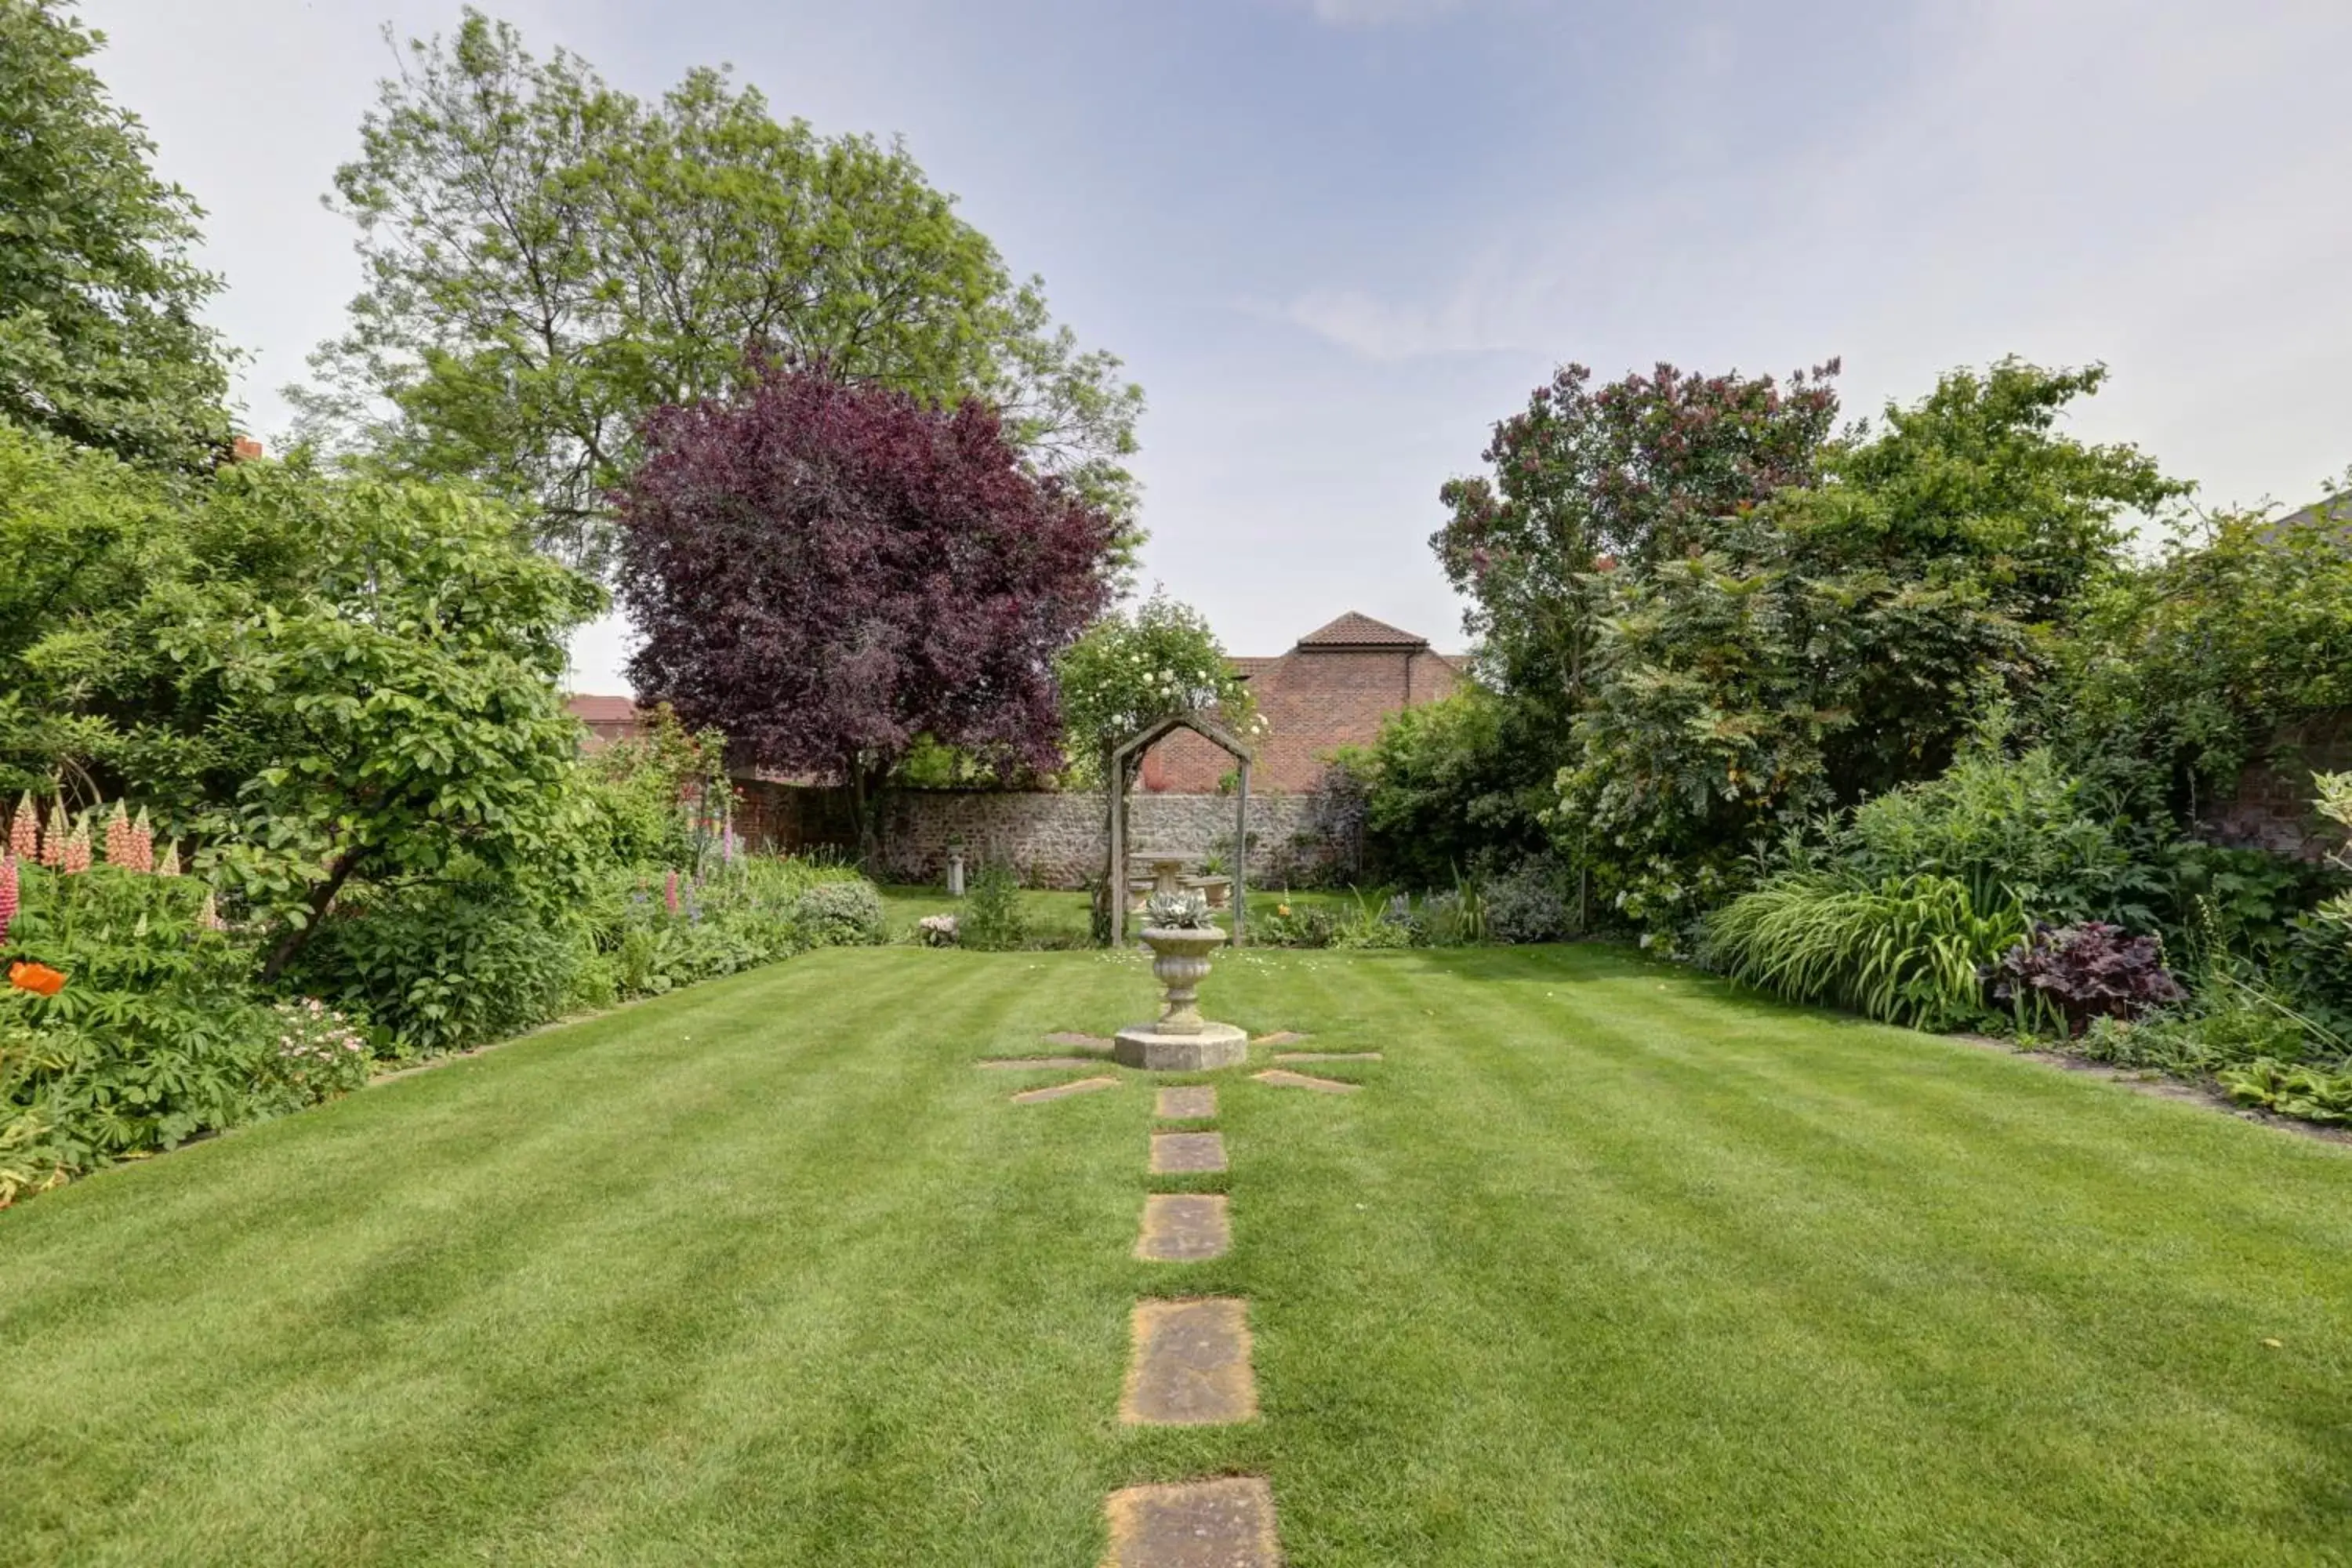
(1184,1227)
(1191,1365)
(1326,1056)
(1282,1038)
(1098,1044)
(1194,1102)
(1063,1091)
(1282,1079)
(1174,1153)
(1036,1064)
(1225,1523)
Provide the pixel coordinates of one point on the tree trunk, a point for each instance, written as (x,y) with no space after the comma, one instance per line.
(322,897)
(867,784)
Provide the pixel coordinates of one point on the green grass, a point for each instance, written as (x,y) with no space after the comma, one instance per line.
(1608,1264)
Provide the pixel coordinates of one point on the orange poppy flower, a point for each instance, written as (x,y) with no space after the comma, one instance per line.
(38,978)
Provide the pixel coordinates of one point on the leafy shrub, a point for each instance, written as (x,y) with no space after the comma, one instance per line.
(2011,830)
(842,912)
(1456,918)
(936,931)
(992,919)
(1302,925)
(2078,973)
(1392,925)
(442,967)
(1531,904)
(1906,950)
(1461,782)
(2188,1042)
(2314,1094)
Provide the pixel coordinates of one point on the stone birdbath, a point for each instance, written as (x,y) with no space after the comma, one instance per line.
(1178,931)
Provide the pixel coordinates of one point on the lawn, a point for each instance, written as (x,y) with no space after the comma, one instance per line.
(1606,1265)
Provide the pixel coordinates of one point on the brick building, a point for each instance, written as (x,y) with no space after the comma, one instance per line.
(608,719)
(1331,690)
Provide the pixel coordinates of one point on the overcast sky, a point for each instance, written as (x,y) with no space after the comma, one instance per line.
(1336,239)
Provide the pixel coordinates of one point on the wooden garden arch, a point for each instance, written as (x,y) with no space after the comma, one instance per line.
(1114,784)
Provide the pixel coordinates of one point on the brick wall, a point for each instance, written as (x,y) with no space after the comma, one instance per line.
(2271,807)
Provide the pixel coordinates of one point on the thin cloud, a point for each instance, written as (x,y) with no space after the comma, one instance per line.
(1380,13)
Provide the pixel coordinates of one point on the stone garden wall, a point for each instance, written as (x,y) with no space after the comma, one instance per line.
(1051,839)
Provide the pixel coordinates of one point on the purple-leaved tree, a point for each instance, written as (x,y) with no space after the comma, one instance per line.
(830,572)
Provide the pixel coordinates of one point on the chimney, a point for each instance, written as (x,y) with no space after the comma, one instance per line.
(244,449)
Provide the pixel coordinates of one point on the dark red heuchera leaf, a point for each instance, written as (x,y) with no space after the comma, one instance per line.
(827,571)
(2084,972)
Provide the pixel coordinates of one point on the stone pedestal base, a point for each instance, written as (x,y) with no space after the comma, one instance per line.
(1216,1045)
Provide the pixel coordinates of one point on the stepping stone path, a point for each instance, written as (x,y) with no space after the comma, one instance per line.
(1223,1523)
(1183,1228)
(1036,1064)
(1196,1103)
(1174,1153)
(1191,1365)
(1282,1079)
(1063,1091)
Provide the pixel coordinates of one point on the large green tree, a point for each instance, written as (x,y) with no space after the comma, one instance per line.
(100,336)
(328,682)
(1842,639)
(1586,479)
(549,259)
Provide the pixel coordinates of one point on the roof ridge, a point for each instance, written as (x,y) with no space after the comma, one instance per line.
(1353,629)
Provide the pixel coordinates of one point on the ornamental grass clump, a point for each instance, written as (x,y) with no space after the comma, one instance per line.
(1907,951)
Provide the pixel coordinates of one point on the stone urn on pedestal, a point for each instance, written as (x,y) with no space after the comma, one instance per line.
(1177,930)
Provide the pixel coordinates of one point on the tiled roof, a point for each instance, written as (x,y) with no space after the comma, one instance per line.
(1352,630)
(602,710)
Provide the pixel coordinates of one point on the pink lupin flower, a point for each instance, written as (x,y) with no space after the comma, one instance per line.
(118,837)
(142,844)
(54,835)
(77,852)
(171,865)
(7,894)
(669,892)
(208,914)
(24,831)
